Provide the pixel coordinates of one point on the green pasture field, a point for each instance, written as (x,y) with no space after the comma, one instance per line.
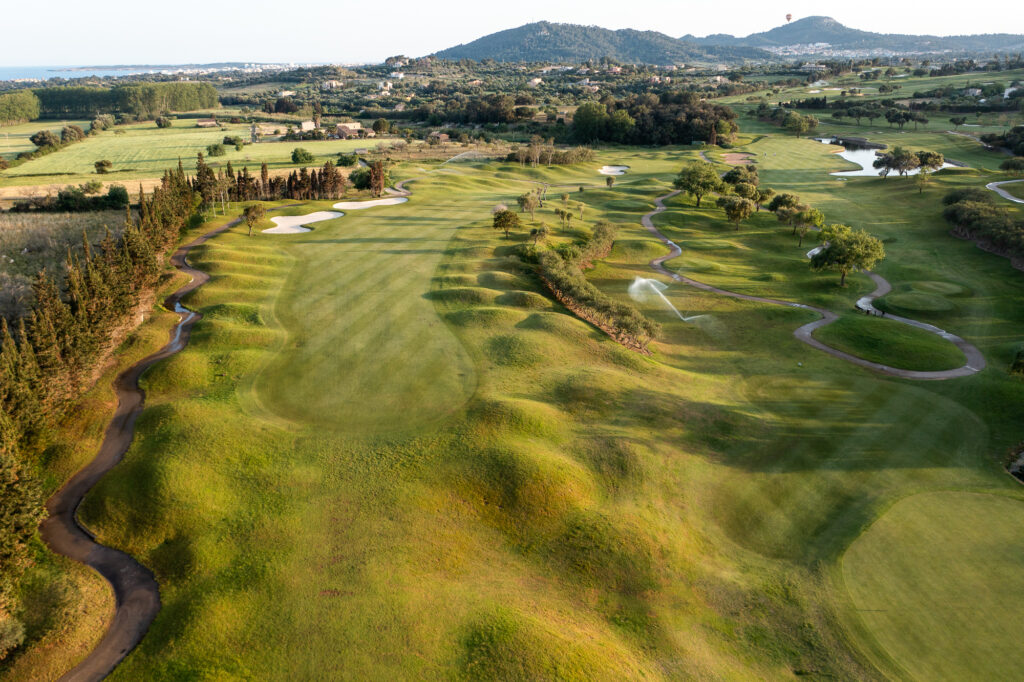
(14,138)
(144,151)
(387,452)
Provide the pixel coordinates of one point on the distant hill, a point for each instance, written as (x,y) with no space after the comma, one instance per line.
(547,42)
(810,30)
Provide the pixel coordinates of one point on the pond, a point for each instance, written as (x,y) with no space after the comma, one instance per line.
(865,158)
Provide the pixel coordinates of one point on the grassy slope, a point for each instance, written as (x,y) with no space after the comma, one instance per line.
(586,513)
(144,151)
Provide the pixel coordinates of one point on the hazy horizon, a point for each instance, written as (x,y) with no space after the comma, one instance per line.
(198,33)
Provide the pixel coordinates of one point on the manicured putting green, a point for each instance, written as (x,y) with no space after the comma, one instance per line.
(890,343)
(938,581)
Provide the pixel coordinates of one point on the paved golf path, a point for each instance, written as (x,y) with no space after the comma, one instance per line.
(996,187)
(136,595)
(975,359)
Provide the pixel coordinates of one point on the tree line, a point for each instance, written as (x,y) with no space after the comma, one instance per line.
(49,356)
(141,100)
(654,119)
(227,184)
(18,107)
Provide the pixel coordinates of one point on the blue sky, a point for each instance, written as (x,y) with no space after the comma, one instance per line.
(122,32)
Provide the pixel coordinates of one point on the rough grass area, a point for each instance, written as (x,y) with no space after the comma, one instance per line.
(890,343)
(142,150)
(937,580)
(30,242)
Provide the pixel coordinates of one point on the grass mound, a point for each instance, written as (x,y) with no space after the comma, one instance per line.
(523,299)
(530,488)
(482,317)
(938,288)
(942,597)
(463,295)
(496,279)
(512,350)
(701,265)
(769,277)
(917,302)
(234,312)
(521,416)
(639,249)
(502,644)
(601,554)
(615,461)
(559,324)
(456,280)
(890,343)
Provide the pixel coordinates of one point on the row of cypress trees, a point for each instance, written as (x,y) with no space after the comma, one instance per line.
(48,358)
(230,185)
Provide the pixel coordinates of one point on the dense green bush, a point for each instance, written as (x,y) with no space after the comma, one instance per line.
(563,275)
(985,221)
(300,155)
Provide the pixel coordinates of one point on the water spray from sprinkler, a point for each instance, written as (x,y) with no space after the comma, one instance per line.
(644,290)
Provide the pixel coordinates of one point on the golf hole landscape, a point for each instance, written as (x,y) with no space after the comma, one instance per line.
(564,369)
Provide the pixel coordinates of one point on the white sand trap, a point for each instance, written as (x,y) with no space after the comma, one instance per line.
(293,224)
(613,170)
(813,92)
(357,205)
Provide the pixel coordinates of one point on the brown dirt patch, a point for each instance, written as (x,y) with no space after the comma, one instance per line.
(738,158)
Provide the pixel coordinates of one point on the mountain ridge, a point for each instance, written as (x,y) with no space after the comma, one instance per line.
(545,41)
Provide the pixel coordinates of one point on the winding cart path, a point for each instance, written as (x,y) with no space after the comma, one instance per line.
(975,360)
(136,594)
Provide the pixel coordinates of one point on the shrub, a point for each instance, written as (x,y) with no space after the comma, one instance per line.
(45,138)
(1014,166)
(71,133)
(103,166)
(300,155)
(216,149)
(1018,364)
(163,122)
(347,160)
(12,634)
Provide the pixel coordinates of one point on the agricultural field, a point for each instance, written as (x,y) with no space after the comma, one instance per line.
(388,416)
(143,151)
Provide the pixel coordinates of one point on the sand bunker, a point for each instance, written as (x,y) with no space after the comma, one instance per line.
(613,170)
(358,205)
(738,158)
(293,224)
